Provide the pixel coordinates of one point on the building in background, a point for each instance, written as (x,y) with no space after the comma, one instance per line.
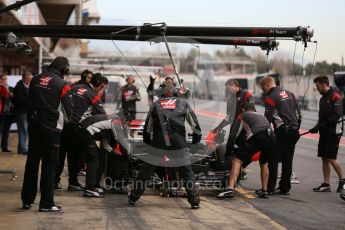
(40,12)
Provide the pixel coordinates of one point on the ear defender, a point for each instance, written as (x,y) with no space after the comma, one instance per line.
(96,79)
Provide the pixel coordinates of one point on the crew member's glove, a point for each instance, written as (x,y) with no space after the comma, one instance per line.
(152,79)
(196,138)
(299,122)
(314,130)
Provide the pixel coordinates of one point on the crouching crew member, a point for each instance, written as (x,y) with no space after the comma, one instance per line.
(165,123)
(259,137)
(50,104)
(98,128)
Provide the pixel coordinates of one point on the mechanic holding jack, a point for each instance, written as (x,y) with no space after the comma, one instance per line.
(165,133)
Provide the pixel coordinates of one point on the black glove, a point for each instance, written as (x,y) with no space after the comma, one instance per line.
(299,123)
(314,130)
(152,79)
(196,138)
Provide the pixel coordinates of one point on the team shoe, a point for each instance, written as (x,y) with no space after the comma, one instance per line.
(341,185)
(243,175)
(55,208)
(228,193)
(27,206)
(75,187)
(324,187)
(131,200)
(258,191)
(263,194)
(82,172)
(195,206)
(99,190)
(294,179)
(278,191)
(342,195)
(92,193)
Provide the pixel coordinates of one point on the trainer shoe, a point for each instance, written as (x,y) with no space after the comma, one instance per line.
(342,195)
(75,187)
(92,193)
(131,201)
(82,172)
(54,208)
(195,206)
(278,191)
(294,179)
(263,194)
(341,185)
(258,191)
(26,206)
(228,193)
(324,187)
(99,190)
(243,175)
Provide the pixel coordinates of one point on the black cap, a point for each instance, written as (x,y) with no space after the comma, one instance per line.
(60,63)
(96,79)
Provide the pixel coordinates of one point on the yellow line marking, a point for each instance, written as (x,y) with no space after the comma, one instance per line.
(10,160)
(245,193)
(250,196)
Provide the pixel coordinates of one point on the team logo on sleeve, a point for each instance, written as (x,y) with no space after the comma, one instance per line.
(44,81)
(168,104)
(81,91)
(283,94)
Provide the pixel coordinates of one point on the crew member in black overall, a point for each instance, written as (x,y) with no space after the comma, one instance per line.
(330,130)
(236,96)
(165,123)
(50,104)
(282,110)
(66,143)
(87,103)
(259,137)
(129,96)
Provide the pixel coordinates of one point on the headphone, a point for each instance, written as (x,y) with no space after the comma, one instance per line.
(96,79)
(85,73)
(65,71)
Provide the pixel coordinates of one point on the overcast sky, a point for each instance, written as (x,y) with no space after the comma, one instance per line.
(327,18)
